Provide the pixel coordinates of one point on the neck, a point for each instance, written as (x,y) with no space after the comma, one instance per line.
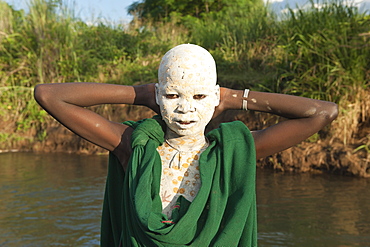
(185,143)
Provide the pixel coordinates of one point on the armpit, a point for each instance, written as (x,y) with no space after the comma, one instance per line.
(123,150)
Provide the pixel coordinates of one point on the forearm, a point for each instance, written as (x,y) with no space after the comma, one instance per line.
(280,104)
(306,117)
(291,106)
(89,94)
(85,94)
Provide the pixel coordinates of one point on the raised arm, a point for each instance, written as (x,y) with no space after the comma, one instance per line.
(305,117)
(66,102)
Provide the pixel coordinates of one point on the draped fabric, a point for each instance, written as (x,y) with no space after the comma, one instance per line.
(222,214)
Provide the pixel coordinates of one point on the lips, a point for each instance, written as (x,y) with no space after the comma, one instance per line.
(185,122)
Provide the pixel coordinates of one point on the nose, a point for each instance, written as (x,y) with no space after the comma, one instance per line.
(185,106)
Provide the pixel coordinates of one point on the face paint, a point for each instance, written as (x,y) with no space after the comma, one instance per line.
(187,92)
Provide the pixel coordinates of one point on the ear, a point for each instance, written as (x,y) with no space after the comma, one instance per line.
(157,93)
(217,92)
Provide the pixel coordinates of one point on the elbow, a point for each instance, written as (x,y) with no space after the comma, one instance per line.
(41,94)
(330,113)
(333,111)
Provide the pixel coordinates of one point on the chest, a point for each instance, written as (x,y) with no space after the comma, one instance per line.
(180,176)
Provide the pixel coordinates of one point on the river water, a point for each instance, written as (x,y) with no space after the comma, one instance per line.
(56,200)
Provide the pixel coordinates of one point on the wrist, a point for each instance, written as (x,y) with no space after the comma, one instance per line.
(142,94)
(233,99)
(145,96)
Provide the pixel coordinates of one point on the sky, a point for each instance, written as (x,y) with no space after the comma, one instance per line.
(116,10)
(88,10)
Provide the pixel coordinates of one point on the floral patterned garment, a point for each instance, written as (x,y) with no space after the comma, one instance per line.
(180,176)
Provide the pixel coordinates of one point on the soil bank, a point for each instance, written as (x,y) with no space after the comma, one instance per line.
(321,153)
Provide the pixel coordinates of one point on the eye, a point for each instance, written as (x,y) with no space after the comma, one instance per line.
(171,96)
(199,96)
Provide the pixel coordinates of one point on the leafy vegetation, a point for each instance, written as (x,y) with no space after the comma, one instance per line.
(318,52)
(163,9)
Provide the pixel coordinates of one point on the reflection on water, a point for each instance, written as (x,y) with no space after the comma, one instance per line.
(51,199)
(312,210)
(56,199)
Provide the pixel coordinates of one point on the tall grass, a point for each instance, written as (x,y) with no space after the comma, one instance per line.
(35,47)
(319,53)
(326,55)
(42,46)
(6,15)
(239,38)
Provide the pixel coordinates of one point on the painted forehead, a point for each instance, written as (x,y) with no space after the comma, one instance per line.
(188,87)
(187,64)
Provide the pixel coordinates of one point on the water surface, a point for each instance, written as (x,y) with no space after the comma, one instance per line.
(51,199)
(56,200)
(312,210)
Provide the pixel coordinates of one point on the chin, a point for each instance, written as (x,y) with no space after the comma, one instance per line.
(186,132)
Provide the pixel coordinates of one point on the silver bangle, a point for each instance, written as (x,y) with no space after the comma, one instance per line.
(245,96)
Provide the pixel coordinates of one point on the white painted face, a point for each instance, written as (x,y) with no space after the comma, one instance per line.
(187,92)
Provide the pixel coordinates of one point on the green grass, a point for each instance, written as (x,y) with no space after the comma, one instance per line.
(317,53)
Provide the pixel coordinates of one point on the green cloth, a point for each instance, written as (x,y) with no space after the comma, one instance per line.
(222,214)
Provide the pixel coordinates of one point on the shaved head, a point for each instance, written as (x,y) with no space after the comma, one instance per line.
(187,63)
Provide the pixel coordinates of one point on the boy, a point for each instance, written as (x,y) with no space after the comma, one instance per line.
(168,182)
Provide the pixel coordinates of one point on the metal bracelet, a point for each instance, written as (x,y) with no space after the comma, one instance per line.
(245,96)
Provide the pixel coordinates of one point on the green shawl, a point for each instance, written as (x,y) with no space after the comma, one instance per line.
(222,214)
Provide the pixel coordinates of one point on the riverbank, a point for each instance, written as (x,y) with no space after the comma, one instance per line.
(321,153)
(319,53)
